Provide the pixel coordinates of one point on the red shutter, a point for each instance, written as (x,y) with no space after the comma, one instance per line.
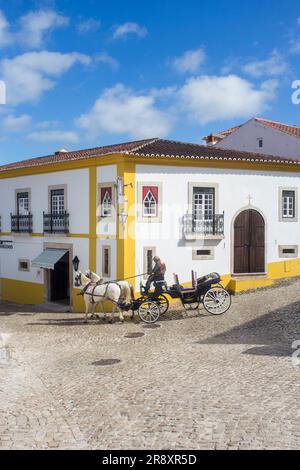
(104,191)
(152,189)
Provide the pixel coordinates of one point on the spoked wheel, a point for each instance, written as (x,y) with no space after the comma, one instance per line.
(149,312)
(217,300)
(163,303)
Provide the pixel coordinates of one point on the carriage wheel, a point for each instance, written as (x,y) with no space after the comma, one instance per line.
(163,304)
(149,312)
(217,300)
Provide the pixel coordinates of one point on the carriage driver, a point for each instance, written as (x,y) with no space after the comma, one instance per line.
(157,273)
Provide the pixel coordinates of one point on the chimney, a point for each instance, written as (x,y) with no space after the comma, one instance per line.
(61,151)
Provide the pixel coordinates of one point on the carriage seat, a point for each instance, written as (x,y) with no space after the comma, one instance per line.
(192,289)
(212,278)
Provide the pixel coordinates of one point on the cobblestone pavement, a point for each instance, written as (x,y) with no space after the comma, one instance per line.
(195,382)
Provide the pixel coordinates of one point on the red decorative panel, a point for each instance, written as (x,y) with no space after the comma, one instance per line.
(152,189)
(104,191)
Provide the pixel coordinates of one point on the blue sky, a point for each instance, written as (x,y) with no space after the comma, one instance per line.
(88,73)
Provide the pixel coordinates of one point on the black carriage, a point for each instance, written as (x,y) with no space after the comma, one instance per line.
(205,290)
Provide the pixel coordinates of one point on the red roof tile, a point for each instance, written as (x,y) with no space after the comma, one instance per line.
(153,148)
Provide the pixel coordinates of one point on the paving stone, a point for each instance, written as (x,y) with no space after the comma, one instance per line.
(199,382)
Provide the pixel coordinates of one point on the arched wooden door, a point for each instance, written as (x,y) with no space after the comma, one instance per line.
(249,243)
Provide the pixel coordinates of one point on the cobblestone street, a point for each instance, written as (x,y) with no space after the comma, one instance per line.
(196,381)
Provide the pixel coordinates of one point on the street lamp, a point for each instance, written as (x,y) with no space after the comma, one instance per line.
(75,263)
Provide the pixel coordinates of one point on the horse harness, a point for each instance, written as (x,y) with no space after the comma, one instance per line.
(98,283)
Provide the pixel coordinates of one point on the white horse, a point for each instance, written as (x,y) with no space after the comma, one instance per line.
(127,292)
(93,294)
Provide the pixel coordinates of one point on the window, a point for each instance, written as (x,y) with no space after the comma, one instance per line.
(260,143)
(149,253)
(288,251)
(106,198)
(150,201)
(203,254)
(203,203)
(288,204)
(57,201)
(22,203)
(106,202)
(23,265)
(106,261)
(149,197)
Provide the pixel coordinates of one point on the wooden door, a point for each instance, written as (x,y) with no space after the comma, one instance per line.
(249,243)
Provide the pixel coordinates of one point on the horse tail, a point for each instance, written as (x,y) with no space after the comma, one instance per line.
(131,292)
(127,294)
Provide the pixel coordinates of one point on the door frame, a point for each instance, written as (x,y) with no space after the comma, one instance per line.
(246,208)
(47,284)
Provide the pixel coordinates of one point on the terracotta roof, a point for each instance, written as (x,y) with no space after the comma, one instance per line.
(153,148)
(60,157)
(287,128)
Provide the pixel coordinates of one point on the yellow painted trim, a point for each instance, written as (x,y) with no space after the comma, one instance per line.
(85,163)
(126,234)
(107,237)
(69,235)
(22,292)
(93,218)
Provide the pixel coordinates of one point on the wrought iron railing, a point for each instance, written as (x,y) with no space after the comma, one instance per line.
(209,226)
(56,222)
(21,223)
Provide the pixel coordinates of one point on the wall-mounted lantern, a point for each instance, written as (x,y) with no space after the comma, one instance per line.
(75,263)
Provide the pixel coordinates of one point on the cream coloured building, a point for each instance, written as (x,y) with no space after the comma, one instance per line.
(114,207)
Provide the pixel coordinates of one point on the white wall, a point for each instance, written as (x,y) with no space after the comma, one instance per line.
(275,142)
(77,182)
(28,247)
(234,188)
(106,174)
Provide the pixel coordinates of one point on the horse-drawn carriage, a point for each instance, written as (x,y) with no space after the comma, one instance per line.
(205,290)
(150,305)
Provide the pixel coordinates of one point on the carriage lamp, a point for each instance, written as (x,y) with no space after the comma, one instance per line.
(75,263)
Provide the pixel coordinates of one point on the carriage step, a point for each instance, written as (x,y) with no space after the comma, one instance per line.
(241,284)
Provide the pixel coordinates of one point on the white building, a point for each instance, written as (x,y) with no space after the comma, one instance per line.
(114,207)
(260,136)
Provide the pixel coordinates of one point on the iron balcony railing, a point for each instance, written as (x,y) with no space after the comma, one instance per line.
(56,222)
(211,226)
(21,223)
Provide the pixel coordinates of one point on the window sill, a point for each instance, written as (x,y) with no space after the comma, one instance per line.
(199,236)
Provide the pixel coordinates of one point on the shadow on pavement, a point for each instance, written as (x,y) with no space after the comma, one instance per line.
(272,334)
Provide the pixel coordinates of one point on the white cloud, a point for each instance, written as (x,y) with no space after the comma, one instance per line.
(273,66)
(60,137)
(119,110)
(88,26)
(32,28)
(12,123)
(121,31)
(190,61)
(28,75)
(105,58)
(5,35)
(36,24)
(211,98)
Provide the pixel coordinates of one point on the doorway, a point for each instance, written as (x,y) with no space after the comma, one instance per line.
(60,281)
(249,243)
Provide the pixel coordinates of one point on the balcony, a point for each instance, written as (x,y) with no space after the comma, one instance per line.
(194,229)
(21,223)
(56,223)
